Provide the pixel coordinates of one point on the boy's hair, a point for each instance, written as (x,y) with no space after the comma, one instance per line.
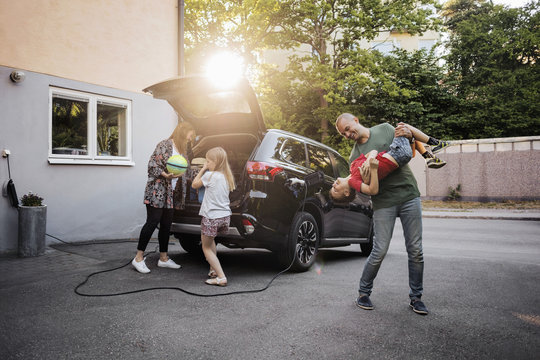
(179,136)
(348,198)
(219,156)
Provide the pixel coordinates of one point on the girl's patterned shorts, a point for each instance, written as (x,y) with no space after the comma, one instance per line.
(212,227)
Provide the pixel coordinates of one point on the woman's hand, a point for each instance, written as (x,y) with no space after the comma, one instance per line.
(170,176)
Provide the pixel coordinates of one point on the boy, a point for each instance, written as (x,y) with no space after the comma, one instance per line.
(382,164)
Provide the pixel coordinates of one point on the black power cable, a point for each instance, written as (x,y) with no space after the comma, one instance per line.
(179,288)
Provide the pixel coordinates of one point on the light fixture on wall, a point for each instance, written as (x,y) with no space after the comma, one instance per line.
(17,76)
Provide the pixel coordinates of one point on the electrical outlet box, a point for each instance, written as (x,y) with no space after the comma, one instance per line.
(5,153)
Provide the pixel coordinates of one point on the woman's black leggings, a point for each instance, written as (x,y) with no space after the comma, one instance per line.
(155,216)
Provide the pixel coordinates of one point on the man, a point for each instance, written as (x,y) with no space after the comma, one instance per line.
(398,196)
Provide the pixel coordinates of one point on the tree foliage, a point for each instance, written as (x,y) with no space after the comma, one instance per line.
(492,61)
(488,86)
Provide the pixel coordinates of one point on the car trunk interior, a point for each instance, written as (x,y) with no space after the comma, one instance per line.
(238,147)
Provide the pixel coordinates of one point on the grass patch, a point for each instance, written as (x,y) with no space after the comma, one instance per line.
(508,204)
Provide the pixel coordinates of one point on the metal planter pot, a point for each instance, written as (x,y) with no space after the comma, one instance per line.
(32,227)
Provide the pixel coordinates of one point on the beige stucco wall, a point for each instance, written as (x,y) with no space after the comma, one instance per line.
(124,44)
(487,169)
(406,41)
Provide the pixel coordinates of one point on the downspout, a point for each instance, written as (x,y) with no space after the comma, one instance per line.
(180,37)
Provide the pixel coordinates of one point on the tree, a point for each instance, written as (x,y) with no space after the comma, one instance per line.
(245,27)
(492,60)
(330,30)
(418,95)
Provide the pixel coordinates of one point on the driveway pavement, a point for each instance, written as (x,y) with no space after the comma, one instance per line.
(483,303)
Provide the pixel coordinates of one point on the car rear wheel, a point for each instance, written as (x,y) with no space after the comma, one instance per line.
(302,243)
(191,243)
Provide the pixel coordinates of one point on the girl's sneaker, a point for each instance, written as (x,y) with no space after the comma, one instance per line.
(168,264)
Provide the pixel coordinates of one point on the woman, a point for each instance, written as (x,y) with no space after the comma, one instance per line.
(162,195)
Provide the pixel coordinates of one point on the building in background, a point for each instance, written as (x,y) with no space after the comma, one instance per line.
(74,116)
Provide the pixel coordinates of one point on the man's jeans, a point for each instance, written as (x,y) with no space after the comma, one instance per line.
(410,213)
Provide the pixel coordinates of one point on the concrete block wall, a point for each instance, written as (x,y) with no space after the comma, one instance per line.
(487,169)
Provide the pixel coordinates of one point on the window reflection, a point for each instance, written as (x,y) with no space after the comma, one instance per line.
(319,159)
(69,126)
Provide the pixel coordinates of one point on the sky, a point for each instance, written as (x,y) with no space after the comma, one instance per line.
(511,3)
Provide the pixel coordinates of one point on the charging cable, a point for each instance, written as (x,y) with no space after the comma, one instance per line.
(305,184)
(78,292)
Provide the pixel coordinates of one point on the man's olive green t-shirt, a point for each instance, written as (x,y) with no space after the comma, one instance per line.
(400,185)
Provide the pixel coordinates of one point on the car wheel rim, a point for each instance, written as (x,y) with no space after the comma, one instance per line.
(306,242)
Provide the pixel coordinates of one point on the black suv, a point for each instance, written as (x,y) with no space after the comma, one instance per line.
(281,202)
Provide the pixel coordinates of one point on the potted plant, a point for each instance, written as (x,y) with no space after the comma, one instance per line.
(32,225)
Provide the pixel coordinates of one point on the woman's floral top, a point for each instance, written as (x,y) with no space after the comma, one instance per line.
(159,192)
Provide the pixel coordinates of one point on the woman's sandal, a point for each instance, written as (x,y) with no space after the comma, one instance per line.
(217,281)
(212,274)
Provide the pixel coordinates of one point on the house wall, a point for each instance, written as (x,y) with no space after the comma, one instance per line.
(406,41)
(84,202)
(487,169)
(125,44)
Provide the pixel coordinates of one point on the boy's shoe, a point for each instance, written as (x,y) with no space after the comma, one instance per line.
(418,307)
(435,163)
(363,302)
(140,266)
(168,264)
(441,145)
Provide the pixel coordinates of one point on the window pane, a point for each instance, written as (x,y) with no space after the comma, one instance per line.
(426,44)
(342,167)
(293,151)
(385,47)
(111,130)
(319,159)
(69,126)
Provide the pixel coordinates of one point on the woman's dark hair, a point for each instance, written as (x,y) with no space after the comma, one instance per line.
(179,136)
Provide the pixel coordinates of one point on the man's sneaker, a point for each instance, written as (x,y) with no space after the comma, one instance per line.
(363,302)
(140,266)
(418,307)
(168,264)
(435,163)
(441,145)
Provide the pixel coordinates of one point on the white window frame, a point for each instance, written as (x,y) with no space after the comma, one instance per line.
(395,44)
(92,158)
(427,44)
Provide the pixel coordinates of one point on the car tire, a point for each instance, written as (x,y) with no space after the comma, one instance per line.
(368,247)
(302,243)
(191,243)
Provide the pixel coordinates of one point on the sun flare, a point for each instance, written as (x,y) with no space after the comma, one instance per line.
(225,68)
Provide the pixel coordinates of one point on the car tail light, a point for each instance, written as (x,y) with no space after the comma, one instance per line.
(248,226)
(259,170)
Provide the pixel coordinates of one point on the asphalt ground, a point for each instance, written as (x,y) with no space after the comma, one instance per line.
(482,284)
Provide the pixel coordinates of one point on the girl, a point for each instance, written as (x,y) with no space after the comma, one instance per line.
(162,195)
(218,180)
